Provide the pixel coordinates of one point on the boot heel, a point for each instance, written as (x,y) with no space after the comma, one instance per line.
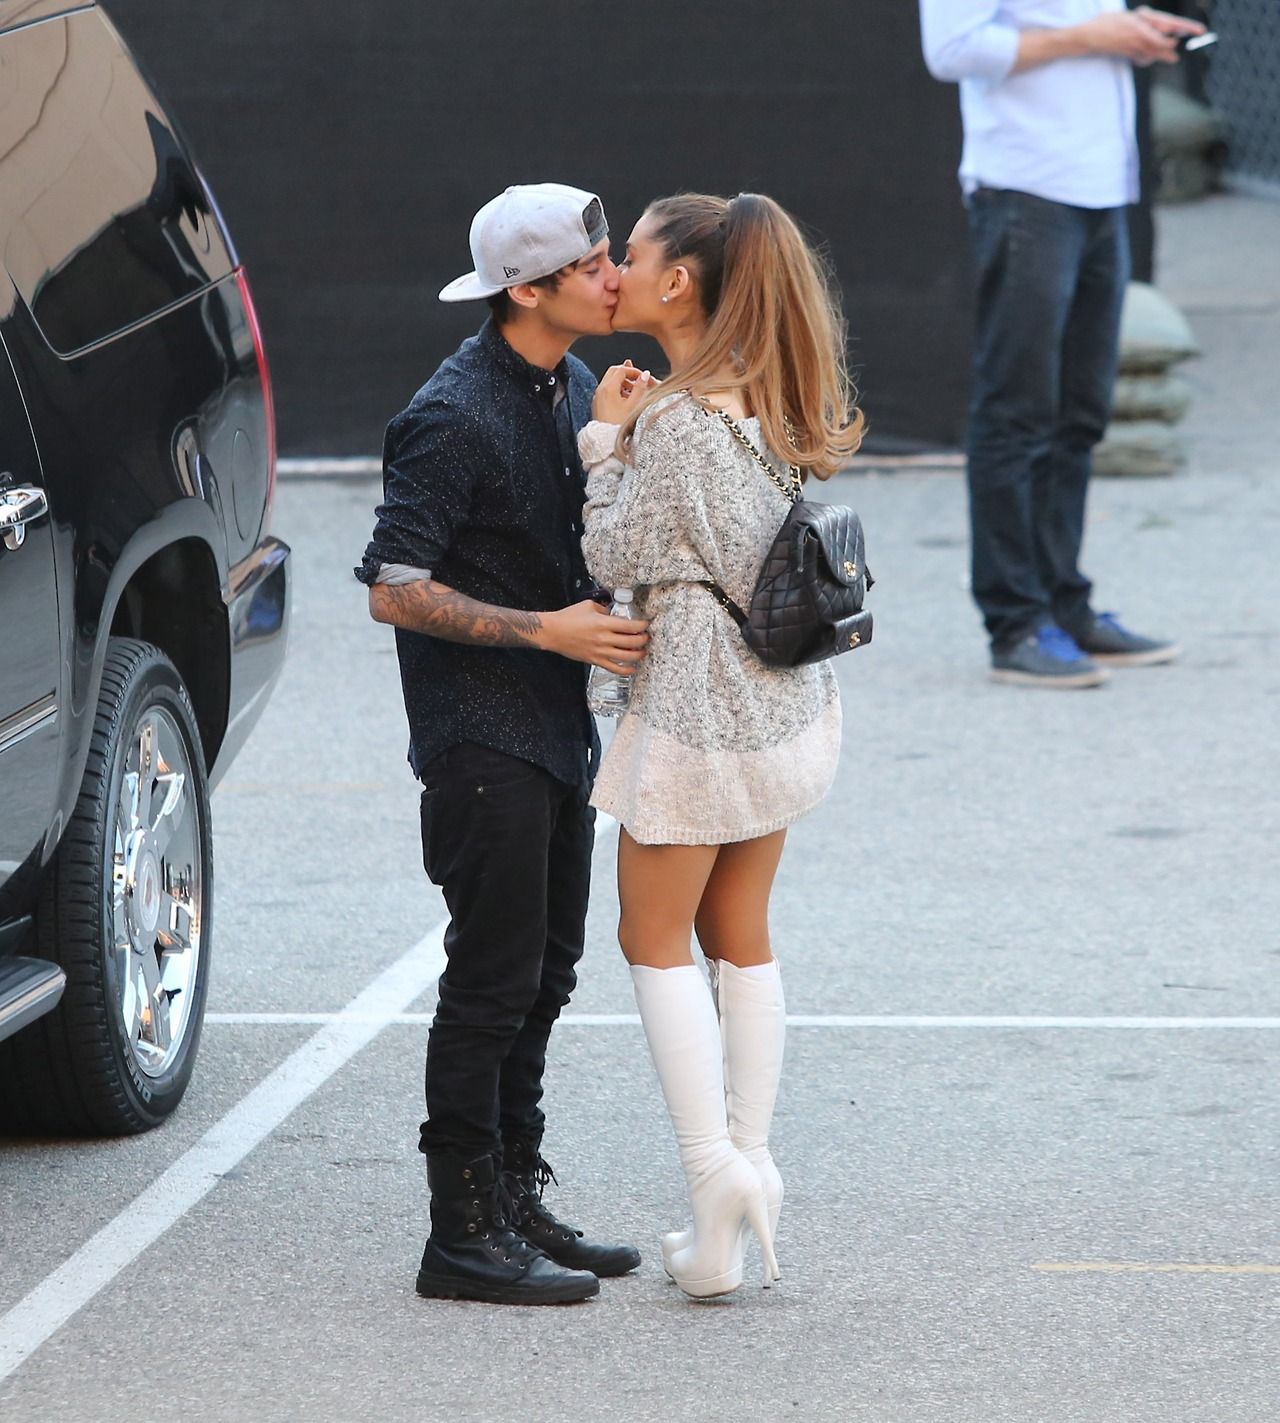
(758,1220)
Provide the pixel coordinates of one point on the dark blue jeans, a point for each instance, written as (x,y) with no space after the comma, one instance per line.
(510,846)
(1050,285)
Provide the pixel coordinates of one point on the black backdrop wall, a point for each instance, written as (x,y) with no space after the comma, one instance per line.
(349,146)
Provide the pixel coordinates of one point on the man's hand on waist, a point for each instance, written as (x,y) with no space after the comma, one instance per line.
(585,632)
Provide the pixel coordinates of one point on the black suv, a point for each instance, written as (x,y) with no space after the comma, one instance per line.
(143,605)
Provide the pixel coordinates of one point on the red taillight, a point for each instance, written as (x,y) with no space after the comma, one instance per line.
(269,405)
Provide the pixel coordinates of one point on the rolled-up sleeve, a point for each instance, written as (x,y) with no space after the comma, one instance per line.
(428,465)
(964,39)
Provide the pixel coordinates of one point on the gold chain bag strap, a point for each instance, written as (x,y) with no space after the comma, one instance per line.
(807,602)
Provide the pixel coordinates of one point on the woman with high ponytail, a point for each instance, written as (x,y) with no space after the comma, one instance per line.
(717,753)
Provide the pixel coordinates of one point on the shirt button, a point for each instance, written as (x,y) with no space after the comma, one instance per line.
(568,471)
(551,380)
(537,387)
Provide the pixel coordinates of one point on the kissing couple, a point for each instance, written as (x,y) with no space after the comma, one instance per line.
(519,494)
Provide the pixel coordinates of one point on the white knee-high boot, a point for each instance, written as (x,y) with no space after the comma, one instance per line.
(753,1021)
(753,1031)
(724,1188)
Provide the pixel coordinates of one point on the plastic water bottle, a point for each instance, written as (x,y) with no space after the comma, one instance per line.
(609,692)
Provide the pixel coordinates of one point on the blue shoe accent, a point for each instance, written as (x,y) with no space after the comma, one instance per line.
(1054,642)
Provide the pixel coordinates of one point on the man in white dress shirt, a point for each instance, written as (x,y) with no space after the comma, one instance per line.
(1050,163)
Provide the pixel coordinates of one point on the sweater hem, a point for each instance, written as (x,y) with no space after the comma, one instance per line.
(686,835)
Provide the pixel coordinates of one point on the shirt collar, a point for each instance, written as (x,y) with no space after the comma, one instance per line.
(542,382)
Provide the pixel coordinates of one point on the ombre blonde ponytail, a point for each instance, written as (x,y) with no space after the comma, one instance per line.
(773,320)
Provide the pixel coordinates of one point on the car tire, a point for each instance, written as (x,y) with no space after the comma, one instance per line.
(125,908)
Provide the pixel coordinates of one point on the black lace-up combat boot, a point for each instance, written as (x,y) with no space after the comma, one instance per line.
(526,1175)
(473,1252)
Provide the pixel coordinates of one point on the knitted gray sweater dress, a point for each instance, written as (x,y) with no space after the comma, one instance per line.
(715,747)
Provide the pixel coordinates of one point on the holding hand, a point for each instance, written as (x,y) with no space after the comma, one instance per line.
(585,632)
(615,395)
(1144,36)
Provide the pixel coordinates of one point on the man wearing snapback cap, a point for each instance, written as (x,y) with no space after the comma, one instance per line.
(476,561)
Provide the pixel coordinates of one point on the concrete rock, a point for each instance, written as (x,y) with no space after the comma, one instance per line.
(1151,397)
(1154,334)
(1189,143)
(1139,447)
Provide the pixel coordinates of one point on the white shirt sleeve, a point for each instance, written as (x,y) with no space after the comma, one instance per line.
(962,39)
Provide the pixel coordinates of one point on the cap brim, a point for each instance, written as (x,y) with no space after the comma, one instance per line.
(468,288)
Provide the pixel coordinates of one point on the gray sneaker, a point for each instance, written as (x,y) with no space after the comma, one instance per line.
(1048,657)
(1110,642)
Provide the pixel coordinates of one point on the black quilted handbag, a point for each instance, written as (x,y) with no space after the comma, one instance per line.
(807,603)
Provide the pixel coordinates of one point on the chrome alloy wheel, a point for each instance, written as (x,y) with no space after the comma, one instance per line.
(157,892)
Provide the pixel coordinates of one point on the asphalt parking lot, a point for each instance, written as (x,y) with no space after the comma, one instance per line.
(1029,1122)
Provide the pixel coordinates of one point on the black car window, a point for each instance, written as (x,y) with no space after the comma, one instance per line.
(103,220)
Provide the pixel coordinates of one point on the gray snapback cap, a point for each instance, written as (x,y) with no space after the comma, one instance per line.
(526,233)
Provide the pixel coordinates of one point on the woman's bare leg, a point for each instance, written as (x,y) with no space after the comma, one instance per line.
(659,887)
(732,917)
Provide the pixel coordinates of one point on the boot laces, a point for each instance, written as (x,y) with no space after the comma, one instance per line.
(506,1206)
(526,1195)
(505,1217)
(542,1173)
(522,1189)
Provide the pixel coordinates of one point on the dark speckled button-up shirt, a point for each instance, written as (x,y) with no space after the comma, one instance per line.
(482,485)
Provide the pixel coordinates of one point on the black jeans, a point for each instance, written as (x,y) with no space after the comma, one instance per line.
(1050,285)
(510,846)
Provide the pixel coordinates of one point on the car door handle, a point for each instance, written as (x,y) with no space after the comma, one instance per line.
(18,506)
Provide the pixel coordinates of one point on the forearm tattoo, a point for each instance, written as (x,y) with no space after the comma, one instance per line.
(429,607)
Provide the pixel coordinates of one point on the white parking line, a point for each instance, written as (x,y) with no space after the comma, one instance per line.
(198,1170)
(804,1020)
(195,1173)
